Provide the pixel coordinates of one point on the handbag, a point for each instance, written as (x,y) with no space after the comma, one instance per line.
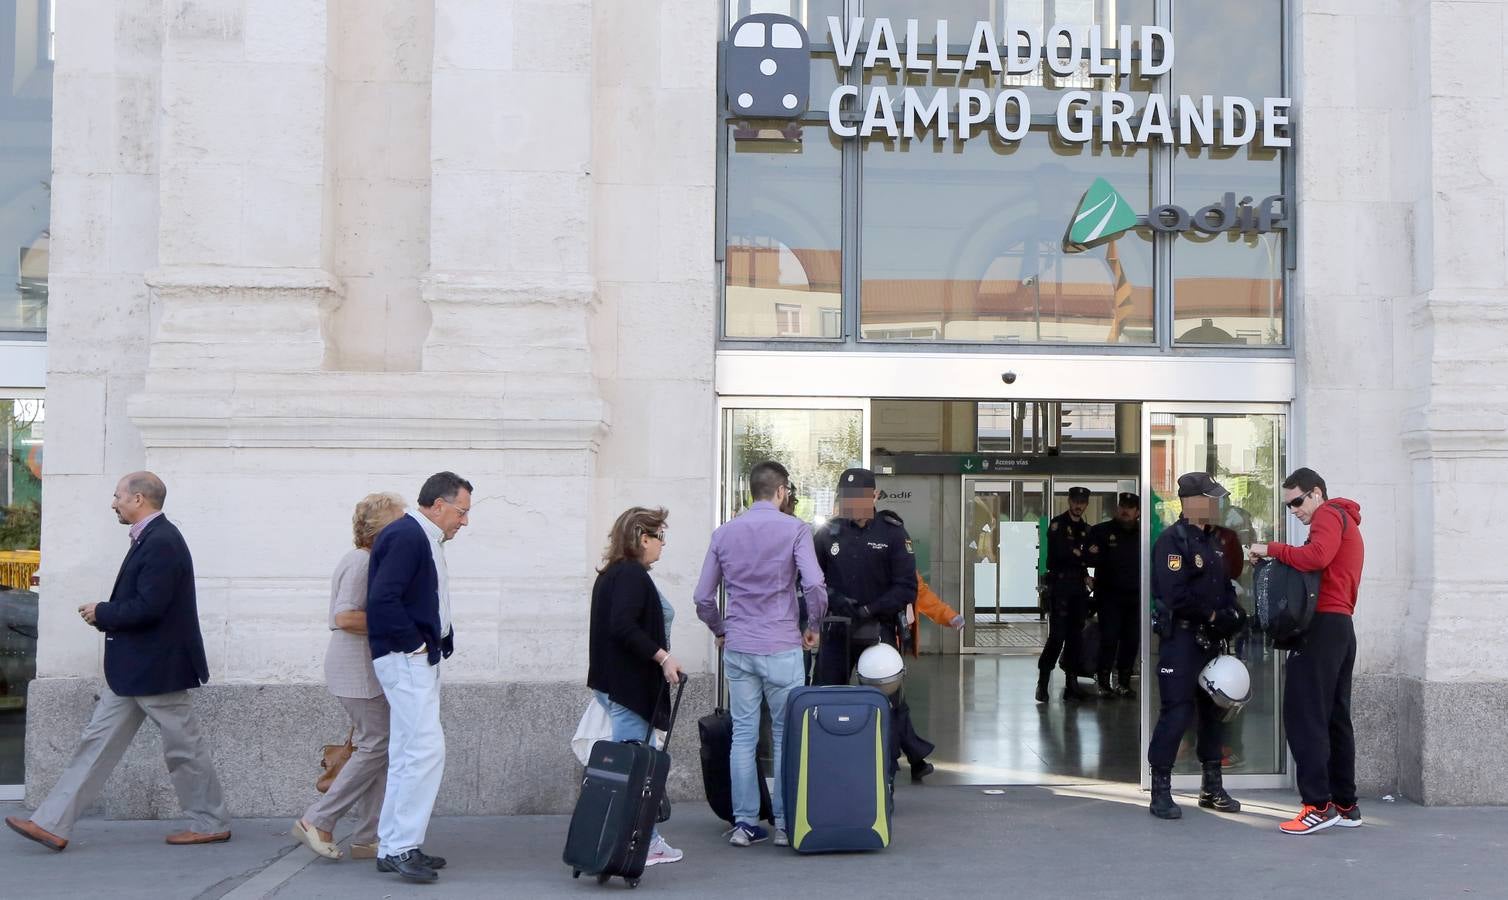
(335,757)
(594,726)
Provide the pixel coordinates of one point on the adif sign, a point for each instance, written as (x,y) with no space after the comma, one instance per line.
(1073,53)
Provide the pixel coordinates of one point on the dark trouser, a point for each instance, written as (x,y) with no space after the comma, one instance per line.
(1069,607)
(1120,633)
(1179,661)
(1317,711)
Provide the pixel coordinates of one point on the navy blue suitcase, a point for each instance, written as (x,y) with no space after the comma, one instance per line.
(837,795)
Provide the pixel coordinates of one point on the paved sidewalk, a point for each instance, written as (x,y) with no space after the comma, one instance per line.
(1070,841)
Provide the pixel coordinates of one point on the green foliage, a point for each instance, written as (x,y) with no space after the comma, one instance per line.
(21,529)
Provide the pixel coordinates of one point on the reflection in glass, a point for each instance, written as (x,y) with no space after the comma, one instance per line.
(815,446)
(20,531)
(1210,32)
(1227,287)
(783,261)
(811,13)
(963,242)
(26,166)
(1247,455)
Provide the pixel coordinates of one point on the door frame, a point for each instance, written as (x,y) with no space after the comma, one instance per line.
(1284,779)
(968,485)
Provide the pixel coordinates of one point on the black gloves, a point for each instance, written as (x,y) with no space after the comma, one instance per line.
(1228,621)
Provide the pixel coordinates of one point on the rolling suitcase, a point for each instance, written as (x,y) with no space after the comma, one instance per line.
(837,793)
(619,802)
(716,733)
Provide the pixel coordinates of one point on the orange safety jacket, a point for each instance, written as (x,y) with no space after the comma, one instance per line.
(931,606)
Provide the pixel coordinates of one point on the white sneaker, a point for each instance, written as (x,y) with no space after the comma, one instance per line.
(661,852)
(780,838)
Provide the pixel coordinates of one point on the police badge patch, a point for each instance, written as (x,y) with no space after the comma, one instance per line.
(1175,562)
(909,548)
(833,550)
(1053,527)
(1198,561)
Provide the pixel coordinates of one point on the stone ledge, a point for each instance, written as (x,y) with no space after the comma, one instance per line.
(507,747)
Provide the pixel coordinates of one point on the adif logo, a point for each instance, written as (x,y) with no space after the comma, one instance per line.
(1104,215)
(768,67)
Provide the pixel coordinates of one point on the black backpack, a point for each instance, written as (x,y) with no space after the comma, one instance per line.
(1287,598)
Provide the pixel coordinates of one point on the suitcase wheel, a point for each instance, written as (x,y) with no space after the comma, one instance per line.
(632,882)
(575,873)
(603,878)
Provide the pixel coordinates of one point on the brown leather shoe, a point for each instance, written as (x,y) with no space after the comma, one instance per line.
(364,851)
(32,831)
(194,837)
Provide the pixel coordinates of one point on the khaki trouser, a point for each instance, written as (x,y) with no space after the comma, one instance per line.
(104,741)
(362,781)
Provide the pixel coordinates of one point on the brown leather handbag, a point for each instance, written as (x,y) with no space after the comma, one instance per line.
(335,758)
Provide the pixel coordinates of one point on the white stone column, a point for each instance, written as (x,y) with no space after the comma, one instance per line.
(245,175)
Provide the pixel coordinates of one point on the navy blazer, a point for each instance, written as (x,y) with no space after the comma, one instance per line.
(151,622)
(403,594)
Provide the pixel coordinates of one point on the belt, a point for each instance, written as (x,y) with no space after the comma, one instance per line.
(1186,625)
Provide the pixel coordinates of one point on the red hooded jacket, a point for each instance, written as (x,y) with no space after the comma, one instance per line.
(1336,556)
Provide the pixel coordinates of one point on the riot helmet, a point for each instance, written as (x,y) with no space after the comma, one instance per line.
(1228,683)
(881,667)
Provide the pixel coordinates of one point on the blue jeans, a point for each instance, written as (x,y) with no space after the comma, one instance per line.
(627,724)
(750,677)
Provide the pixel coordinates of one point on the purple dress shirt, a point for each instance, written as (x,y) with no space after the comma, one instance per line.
(757,556)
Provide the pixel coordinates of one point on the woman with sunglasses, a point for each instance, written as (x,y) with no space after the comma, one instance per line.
(629,662)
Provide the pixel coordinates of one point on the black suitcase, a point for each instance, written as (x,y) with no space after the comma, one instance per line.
(716,732)
(833,666)
(619,802)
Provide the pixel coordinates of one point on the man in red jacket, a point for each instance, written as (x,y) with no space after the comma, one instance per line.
(1317,689)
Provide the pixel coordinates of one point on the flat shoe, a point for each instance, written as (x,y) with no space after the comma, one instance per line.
(34,832)
(313,841)
(184,838)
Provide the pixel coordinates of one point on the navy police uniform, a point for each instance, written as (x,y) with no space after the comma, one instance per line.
(870,570)
(1068,596)
(1196,610)
(1115,553)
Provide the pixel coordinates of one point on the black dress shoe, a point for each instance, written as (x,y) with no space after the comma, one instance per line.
(921,770)
(434,862)
(409,865)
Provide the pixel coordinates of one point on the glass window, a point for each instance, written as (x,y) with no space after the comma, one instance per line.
(20,532)
(1208,32)
(26,165)
(810,13)
(1227,286)
(814,445)
(965,243)
(784,233)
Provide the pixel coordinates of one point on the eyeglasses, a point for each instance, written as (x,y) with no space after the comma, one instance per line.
(1298,501)
(657,535)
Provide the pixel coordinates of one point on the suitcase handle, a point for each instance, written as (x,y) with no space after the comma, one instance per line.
(675,709)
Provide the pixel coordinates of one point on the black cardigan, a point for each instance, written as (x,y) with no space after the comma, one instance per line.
(627,630)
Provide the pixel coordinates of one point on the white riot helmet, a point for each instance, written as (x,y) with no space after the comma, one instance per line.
(881,667)
(1228,683)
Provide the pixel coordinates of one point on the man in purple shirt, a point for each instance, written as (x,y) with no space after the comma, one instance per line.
(757,556)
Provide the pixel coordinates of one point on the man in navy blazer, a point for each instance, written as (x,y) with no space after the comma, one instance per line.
(409,629)
(154,654)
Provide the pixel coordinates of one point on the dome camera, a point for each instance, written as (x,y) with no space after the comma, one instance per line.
(1008,377)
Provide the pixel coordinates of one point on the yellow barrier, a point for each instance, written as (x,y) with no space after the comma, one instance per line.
(17,567)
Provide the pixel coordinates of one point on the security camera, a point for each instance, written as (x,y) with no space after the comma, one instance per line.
(1008,377)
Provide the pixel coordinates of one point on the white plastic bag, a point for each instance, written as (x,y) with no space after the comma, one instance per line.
(594,726)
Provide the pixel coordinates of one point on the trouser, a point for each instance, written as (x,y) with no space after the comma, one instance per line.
(415,752)
(115,722)
(1179,661)
(1120,634)
(627,726)
(1317,710)
(362,782)
(752,677)
(1068,608)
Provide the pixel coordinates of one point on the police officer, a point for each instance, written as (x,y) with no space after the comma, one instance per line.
(870,569)
(1195,611)
(1115,554)
(1068,595)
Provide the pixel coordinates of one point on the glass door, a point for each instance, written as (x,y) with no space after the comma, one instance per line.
(1002,558)
(1245,448)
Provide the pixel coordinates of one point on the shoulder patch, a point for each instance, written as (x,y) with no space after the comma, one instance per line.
(1175,562)
(909,548)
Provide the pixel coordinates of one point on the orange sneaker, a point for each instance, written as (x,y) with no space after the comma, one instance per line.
(1311,819)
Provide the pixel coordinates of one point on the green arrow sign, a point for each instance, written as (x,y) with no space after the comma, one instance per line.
(1103,214)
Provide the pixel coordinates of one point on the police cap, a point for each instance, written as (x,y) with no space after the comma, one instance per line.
(1200,484)
(1078,493)
(855,481)
(1129,500)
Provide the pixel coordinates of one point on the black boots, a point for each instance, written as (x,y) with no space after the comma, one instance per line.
(1105,689)
(1072,691)
(1123,686)
(1162,805)
(1043,675)
(1212,793)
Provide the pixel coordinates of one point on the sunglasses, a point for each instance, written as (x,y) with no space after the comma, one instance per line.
(1298,501)
(657,535)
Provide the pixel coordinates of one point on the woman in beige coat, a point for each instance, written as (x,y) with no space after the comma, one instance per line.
(349,675)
